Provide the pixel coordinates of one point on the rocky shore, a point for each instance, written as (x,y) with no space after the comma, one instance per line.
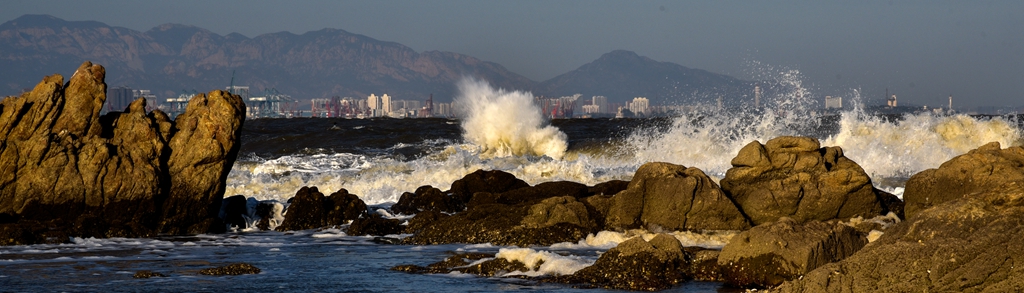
(70,172)
(805,218)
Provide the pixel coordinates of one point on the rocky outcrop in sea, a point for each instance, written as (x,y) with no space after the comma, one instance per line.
(70,172)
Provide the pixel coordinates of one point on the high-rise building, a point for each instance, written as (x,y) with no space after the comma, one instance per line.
(602,104)
(373,104)
(385,103)
(640,106)
(119,98)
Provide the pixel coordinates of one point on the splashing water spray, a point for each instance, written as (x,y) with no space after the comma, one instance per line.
(504,123)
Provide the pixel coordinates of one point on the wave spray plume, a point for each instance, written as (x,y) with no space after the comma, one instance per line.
(506,123)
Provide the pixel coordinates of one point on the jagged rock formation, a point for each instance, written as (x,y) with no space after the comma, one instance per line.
(70,172)
(795,177)
(772,253)
(981,169)
(967,244)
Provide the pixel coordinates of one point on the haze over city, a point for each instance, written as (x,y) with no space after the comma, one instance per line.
(924,51)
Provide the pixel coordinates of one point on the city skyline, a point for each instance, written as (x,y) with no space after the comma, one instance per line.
(924,50)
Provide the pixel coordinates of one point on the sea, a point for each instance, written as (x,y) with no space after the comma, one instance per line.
(379,159)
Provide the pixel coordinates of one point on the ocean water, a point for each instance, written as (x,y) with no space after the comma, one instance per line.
(379,159)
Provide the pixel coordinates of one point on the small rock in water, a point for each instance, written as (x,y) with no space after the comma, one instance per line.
(147,274)
(231,269)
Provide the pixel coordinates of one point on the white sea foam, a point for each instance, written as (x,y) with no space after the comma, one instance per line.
(544,262)
(918,142)
(506,123)
(609,239)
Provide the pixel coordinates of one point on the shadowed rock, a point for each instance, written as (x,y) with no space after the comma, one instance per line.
(770,254)
(426,198)
(795,177)
(231,270)
(981,169)
(636,265)
(969,244)
(484,181)
(375,225)
(310,209)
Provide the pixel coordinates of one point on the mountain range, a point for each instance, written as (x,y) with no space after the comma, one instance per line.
(173,58)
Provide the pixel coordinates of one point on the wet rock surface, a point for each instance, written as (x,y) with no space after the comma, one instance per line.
(968,244)
(231,270)
(126,174)
(671,197)
(769,254)
(310,209)
(985,168)
(375,225)
(637,265)
(795,177)
(426,198)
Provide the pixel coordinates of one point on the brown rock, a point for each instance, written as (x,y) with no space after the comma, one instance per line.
(375,225)
(342,207)
(231,270)
(981,169)
(203,148)
(770,254)
(968,244)
(672,197)
(555,210)
(306,210)
(793,177)
(636,265)
(484,181)
(90,176)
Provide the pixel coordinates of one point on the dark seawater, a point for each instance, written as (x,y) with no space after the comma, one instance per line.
(378,159)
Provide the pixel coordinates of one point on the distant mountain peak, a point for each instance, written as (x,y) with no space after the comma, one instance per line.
(46,20)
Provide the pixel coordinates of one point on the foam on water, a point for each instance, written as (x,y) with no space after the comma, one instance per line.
(504,123)
(902,148)
(544,262)
(607,239)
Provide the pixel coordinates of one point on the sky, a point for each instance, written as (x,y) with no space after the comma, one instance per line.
(923,51)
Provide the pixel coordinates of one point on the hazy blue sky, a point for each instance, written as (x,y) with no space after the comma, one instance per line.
(923,51)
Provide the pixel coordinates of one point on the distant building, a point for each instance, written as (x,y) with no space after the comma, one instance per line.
(119,98)
(640,106)
(373,105)
(891,102)
(601,102)
(757,96)
(591,109)
(833,102)
(385,103)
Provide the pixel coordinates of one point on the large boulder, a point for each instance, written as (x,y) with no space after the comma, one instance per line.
(129,174)
(968,244)
(671,197)
(979,170)
(772,253)
(795,177)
